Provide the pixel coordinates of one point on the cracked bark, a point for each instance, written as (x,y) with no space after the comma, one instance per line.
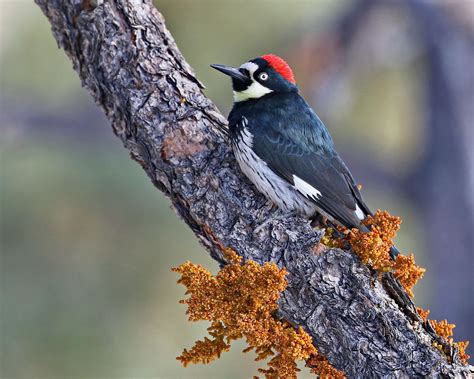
(130,64)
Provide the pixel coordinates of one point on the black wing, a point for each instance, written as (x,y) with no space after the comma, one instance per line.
(304,155)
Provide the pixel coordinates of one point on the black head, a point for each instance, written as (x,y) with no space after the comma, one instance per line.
(259,77)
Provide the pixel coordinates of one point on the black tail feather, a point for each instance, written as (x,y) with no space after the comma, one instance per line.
(394,252)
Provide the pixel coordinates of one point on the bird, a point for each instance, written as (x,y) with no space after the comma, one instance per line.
(284,148)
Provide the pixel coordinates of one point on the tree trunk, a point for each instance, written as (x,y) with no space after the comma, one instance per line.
(130,64)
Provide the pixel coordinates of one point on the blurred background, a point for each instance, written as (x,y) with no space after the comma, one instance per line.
(87,243)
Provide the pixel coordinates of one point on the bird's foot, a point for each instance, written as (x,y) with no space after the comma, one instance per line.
(323,222)
(269,206)
(318,220)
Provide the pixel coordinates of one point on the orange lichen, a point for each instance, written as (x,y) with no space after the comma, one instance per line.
(320,366)
(407,272)
(462,346)
(207,350)
(445,330)
(239,301)
(329,240)
(373,249)
(442,328)
(423,313)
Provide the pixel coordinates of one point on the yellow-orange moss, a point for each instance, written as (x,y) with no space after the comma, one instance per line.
(462,346)
(373,249)
(443,328)
(321,367)
(239,302)
(423,313)
(329,240)
(407,272)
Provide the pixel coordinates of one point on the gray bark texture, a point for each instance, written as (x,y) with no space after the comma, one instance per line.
(130,64)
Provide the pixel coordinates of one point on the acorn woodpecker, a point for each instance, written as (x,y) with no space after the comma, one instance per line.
(284,148)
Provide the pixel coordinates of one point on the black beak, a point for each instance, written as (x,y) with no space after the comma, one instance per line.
(231,71)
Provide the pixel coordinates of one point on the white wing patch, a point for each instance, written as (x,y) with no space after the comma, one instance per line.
(305,188)
(359,213)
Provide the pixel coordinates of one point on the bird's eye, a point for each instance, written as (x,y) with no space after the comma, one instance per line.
(263,76)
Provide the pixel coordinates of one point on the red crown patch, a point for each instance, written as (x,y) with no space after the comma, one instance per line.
(280,66)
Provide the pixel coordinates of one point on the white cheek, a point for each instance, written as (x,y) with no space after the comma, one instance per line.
(254,91)
(250,67)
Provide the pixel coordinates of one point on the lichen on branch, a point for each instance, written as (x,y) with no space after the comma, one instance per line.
(445,330)
(240,302)
(373,249)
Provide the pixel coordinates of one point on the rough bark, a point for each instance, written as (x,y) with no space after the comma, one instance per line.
(130,64)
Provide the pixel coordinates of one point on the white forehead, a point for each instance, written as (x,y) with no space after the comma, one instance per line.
(250,67)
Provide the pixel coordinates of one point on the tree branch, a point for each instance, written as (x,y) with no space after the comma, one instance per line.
(130,64)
